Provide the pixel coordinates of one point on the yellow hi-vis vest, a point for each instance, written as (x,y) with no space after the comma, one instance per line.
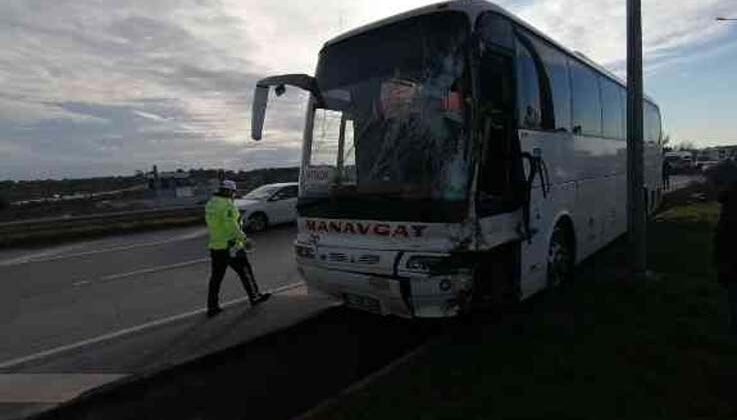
(222,217)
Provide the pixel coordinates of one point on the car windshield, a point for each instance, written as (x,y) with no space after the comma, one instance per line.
(393,119)
(261,193)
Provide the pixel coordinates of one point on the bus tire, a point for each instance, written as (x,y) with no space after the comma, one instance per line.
(561,257)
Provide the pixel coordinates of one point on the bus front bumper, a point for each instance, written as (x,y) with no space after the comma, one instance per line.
(421,296)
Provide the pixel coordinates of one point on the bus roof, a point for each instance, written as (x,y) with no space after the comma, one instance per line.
(473,8)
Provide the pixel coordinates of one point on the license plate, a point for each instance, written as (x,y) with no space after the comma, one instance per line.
(363,303)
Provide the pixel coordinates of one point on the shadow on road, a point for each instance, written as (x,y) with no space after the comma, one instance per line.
(275,377)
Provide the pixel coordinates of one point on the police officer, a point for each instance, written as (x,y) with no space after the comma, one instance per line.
(228,246)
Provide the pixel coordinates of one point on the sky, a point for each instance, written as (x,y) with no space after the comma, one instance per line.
(108,87)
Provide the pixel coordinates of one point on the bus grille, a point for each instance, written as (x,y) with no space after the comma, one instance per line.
(365,259)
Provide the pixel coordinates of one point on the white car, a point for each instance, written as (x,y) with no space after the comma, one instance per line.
(270,204)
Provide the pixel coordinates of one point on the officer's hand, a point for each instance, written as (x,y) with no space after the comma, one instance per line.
(231,244)
(248,245)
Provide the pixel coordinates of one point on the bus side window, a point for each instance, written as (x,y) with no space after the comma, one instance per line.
(556,67)
(651,122)
(542,76)
(553,81)
(612,111)
(586,113)
(528,89)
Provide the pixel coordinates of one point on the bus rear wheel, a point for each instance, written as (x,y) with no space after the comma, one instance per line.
(561,257)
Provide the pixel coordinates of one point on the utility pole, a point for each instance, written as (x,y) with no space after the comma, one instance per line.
(636,212)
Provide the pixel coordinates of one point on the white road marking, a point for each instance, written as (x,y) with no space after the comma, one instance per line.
(40,256)
(46,254)
(49,387)
(81,283)
(143,271)
(120,333)
(153,269)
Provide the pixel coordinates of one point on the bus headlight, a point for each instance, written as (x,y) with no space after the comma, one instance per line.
(424,263)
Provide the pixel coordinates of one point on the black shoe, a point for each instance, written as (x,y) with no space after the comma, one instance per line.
(211,312)
(262,297)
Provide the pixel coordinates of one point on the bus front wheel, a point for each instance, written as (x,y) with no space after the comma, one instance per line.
(561,257)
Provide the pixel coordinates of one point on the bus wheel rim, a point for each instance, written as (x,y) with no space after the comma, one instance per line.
(558,260)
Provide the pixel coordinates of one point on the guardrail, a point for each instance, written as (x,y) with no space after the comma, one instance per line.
(66,227)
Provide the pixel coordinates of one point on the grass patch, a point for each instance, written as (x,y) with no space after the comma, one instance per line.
(603,347)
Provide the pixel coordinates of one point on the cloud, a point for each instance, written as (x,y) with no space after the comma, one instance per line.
(598,28)
(110,86)
(90,85)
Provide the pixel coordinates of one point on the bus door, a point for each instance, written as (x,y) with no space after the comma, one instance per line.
(500,181)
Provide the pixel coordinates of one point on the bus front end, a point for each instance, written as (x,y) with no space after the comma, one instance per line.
(387,167)
(384,188)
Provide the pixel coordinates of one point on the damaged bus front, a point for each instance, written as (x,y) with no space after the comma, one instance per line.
(386,210)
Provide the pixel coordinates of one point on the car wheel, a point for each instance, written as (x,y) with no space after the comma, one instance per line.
(561,256)
(257,222)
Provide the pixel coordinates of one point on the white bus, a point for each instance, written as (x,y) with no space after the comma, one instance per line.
(455,157)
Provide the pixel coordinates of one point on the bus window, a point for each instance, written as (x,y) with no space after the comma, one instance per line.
(556,67)
(528,89)
(496,30)
(586,115)
(326,132)
(651,122)
(612,111)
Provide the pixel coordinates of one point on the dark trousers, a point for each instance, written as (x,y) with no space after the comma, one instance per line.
(732,305)
(220,260)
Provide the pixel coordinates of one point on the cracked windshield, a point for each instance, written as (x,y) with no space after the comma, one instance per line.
(393,118)
(368,209)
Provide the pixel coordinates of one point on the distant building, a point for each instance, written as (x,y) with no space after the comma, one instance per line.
(180,184)
(171,184)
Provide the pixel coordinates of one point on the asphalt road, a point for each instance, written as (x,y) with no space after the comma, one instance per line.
(54,297)
(77,316)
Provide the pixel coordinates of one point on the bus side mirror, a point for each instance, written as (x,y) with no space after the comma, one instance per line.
(261,96)
(258,111)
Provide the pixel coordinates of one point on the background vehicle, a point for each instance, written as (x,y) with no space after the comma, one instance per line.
(270,204)
(454,156)
(681,162)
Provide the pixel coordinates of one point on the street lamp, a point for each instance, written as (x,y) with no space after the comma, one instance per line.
(723,19)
